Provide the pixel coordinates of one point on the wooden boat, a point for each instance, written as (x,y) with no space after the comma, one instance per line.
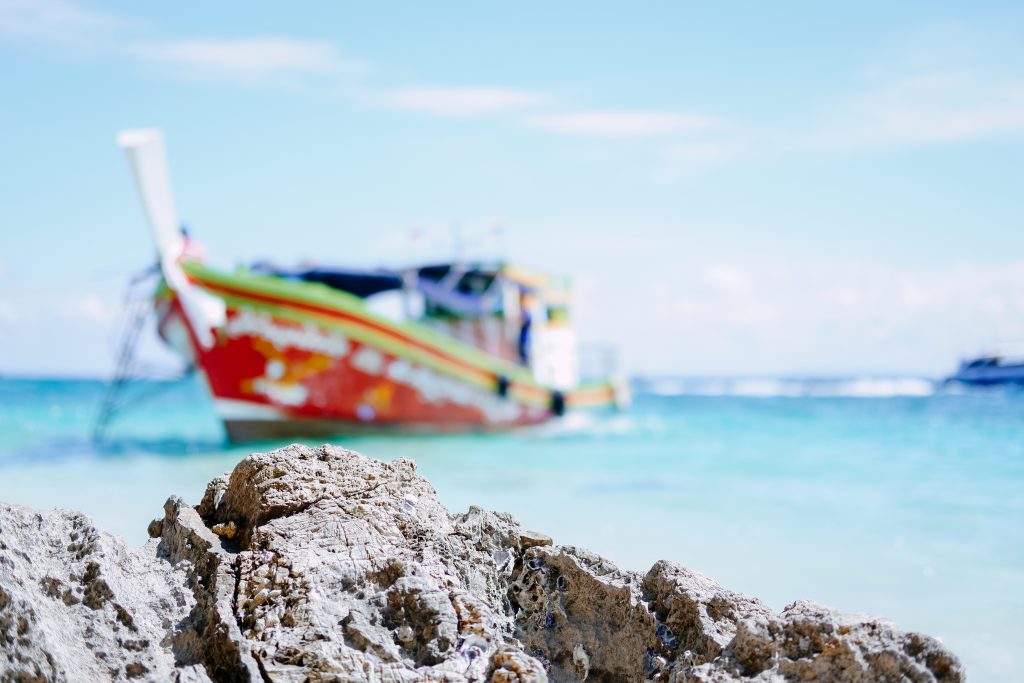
(300,353)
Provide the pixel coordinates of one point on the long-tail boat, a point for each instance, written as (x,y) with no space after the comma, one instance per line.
(324,351)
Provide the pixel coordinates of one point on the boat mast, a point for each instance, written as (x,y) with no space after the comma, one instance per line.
(145,152)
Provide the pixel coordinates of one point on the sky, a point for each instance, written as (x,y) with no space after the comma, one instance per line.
(800,188)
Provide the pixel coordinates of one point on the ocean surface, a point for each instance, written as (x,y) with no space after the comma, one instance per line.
(869,495)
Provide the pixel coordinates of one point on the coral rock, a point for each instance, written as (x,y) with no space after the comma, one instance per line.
(318,564)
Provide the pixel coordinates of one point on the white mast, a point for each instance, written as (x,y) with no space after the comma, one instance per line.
(145,152)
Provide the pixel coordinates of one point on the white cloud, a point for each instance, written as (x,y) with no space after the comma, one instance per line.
(50,19)
(245,58)
(763,317)
(624,124)
(71,26)
(441,101)
(89,307)
(94,308)
(928,105)
(8,313)
(725,278)
(32,307)
(705,152)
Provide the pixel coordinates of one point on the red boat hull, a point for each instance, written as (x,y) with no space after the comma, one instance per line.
(280,367)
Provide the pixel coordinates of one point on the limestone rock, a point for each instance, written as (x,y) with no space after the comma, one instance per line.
(77,605)
(318,564)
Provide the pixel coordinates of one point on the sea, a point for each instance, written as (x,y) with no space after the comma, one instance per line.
(895,497)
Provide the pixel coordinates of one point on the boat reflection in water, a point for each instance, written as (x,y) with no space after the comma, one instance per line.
(321,351)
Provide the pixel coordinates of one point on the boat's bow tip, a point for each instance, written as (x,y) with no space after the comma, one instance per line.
(135,137)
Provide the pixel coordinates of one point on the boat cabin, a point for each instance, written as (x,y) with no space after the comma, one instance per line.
(506,311)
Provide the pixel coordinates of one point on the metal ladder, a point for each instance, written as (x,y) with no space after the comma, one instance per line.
(137,308)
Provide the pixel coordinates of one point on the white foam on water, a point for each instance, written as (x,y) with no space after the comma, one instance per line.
(585,423)
(768,387)
(874,387)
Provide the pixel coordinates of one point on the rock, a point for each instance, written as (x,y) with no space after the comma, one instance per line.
(318,564)
(529,539)
(77,605)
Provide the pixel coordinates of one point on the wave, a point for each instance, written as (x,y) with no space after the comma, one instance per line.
(589,424)
(769,387)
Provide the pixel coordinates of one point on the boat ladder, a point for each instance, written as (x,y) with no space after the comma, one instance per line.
(137,310)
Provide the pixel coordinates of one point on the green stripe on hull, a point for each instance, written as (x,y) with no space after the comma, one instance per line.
(326,297)
(363,335)
(322,295)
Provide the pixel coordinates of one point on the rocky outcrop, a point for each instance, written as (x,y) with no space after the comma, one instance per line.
(77,605)
(318,564)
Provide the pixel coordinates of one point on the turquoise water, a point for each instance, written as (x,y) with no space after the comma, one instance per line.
(891,501)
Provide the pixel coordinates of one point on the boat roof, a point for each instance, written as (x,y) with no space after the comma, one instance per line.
(368,281)
(362,283)
(461,288)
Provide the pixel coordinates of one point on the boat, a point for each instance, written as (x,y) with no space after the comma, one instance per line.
(323,351)
(989,370)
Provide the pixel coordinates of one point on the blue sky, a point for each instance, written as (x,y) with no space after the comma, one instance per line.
(744,188)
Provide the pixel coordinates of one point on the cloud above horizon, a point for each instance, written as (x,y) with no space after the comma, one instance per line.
(942,83)
(461,102)
(961,98)
(245,58)
(624,124)
(931,107)
(56,22)
(757,317)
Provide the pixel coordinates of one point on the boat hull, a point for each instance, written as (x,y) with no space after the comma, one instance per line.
(991,376)
(284,365)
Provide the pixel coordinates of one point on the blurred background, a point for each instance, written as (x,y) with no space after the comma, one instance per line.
(792,222)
